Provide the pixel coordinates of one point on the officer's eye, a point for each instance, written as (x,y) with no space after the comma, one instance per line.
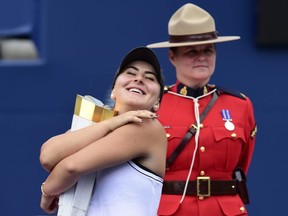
(192,52)
(209,50)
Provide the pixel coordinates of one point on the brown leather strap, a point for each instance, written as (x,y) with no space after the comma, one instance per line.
(217,187)
(194,37)
(192,130)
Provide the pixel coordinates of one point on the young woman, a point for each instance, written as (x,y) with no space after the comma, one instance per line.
(128,151)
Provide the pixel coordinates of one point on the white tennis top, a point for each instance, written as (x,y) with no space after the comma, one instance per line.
(126,190)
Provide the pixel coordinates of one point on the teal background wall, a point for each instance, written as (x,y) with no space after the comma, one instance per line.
(81,44)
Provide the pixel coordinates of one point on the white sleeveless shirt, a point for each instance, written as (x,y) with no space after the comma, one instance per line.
(126,190)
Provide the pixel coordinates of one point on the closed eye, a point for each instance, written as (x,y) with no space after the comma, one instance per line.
(130,73)
(152,78)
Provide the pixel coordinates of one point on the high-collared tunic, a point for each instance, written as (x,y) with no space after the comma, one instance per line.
(214,151)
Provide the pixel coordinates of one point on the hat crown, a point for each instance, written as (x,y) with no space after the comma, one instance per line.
(190,20)
(190,25)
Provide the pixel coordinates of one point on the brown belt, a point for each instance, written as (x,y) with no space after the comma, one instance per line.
(203,186)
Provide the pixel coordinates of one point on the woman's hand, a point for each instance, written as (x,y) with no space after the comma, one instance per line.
(49,204)
(136,116)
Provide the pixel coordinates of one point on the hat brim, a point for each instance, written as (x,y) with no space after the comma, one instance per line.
(193,43)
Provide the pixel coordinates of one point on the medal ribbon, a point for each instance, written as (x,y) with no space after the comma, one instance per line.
(226,115)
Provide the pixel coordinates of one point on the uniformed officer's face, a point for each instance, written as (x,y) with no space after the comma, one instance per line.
(194,64)
(136,87)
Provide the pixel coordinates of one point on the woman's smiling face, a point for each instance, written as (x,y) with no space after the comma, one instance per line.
(136,87)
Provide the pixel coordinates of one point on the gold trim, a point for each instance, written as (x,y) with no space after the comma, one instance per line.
(90,111)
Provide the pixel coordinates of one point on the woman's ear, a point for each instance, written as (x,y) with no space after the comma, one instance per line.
(112,95)
(171,56)
(156,106)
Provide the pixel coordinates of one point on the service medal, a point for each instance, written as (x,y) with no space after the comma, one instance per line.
(229,125)
(228,120)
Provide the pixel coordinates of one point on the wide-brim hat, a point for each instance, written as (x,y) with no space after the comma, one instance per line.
(142,54)
(191,25)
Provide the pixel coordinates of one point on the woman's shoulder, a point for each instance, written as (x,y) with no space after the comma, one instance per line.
(146,126)
(149,129)
(155,131)
(153,125)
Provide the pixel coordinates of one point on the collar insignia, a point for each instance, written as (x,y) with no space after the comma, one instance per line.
(183,91)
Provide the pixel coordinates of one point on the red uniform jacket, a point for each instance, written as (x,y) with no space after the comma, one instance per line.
(219,151)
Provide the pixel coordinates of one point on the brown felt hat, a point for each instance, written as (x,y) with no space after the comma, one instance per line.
(191,25)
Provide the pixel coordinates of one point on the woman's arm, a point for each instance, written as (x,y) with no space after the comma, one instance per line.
(59,147)
(125,143)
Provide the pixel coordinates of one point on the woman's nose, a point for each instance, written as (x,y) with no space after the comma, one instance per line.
(138,79)
(201,57)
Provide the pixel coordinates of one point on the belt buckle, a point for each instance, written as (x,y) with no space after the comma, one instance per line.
(206,181)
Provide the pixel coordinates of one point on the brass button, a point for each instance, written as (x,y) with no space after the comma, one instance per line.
(201,198)
(202,173)
(201,125)
(202,149)
(168,135)
(233,135)
(242,209)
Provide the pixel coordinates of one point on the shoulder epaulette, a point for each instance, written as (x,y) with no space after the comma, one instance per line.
(231,92)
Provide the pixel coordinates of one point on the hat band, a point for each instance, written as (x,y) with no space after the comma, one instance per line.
(194,37)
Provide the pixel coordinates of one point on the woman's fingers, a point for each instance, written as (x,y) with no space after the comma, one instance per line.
(146,114)
(49,204)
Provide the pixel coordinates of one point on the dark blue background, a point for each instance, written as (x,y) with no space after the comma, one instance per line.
(81,44)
